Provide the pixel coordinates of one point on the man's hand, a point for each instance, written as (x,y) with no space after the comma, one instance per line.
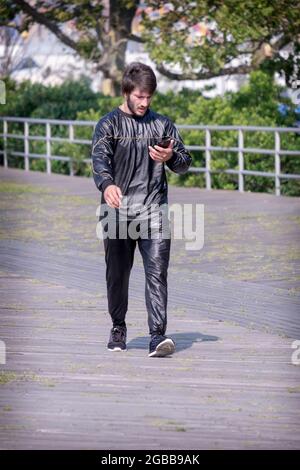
(113,196)
(160,154)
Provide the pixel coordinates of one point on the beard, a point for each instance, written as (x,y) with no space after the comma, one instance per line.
(133,108)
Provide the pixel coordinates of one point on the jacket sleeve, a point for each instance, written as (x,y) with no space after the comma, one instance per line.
(181,159)
(102,155)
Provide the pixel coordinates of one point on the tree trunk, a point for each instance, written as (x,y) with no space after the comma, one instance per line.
(120,20)
(113,70)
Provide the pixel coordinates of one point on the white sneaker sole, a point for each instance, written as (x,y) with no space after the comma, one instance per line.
(116,349)
(165,348)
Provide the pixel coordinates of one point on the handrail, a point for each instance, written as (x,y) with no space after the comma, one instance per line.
(240,149)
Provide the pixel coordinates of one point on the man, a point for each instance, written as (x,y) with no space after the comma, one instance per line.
(129,165)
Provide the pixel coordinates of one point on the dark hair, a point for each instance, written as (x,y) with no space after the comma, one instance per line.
(138,75)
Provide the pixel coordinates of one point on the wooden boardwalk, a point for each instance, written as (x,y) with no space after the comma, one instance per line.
(233,312)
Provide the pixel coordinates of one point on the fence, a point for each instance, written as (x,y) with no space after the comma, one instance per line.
(240,149)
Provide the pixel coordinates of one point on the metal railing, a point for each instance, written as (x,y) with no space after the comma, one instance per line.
(240,149)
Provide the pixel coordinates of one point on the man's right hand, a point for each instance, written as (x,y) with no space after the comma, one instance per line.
(113,196)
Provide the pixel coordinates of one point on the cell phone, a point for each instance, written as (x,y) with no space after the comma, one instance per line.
(164,143)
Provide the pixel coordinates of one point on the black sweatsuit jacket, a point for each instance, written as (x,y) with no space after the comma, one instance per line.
(120,155)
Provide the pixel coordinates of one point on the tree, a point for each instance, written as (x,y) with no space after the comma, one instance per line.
(100,33)
(201,38)
(224,37)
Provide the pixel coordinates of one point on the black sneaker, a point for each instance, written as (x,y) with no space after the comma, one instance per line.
(117,339)
(161,346)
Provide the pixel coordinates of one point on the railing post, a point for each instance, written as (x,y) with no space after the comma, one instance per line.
(241,160)
(277,163)
(26,145)
(207,158)
(48,147)
(71,138)
(5,132)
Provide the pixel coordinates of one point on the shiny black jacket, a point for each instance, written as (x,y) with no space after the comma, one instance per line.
(120,155)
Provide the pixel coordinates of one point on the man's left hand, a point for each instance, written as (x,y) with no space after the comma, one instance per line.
(161,154)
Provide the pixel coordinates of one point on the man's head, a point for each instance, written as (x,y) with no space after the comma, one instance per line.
(138,86)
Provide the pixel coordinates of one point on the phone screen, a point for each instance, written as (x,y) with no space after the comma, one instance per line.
(164,143)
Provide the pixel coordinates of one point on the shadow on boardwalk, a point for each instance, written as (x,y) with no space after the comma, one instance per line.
(233,311)
(182,340)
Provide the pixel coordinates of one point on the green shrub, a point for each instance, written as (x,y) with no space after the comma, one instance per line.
(52,102)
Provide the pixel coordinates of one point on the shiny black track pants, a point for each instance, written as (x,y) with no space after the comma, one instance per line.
(119,257)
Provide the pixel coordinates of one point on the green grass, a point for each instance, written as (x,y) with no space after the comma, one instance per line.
(9,376)
(7,187)
(6,377)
